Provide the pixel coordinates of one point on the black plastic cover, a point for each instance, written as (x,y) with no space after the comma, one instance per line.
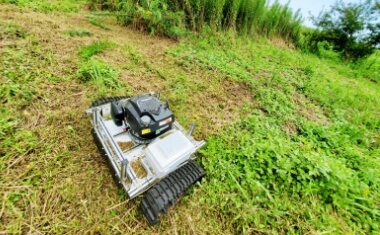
(117,113)
(140,109)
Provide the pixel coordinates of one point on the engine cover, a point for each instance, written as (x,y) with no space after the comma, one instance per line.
(146,116)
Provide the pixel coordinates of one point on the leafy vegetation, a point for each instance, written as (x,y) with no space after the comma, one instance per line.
(299,146)
(369,67)
(173,18)
(293,140)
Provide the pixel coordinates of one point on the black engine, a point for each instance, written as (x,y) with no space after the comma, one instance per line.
(145,115)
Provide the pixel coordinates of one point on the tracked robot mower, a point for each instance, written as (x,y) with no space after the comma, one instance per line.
(148,151)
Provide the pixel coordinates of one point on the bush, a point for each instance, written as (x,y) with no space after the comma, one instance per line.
(153,16)
(369,67)
(326,51)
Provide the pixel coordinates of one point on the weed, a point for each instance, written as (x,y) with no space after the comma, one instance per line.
(88,51)
(99,72)
(102,5)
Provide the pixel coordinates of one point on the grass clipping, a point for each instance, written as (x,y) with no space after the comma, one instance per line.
(138,168)
(135,163)
(125,146)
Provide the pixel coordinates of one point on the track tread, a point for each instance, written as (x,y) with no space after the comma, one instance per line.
(106,100)
(163,195)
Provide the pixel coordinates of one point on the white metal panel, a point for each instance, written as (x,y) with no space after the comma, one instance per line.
(168,151)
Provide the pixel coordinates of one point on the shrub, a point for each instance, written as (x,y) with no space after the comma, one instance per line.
(153,16)
(369,67)
(326,51)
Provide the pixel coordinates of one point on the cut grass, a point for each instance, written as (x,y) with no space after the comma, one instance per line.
(293,141)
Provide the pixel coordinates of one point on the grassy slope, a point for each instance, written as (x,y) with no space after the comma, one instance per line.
(293,140)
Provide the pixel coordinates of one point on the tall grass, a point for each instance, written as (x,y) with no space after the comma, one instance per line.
(172,17)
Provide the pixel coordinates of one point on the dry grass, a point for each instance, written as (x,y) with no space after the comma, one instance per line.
(138,168)
(125,146)
(55,181)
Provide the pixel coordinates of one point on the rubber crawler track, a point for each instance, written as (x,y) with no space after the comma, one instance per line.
(166,193)
(106,100)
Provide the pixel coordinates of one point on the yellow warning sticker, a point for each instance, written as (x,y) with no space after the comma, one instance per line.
(145,131)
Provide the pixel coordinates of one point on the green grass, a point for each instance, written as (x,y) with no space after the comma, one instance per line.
(306,157)
(97,47)
(48,5)
(101,74)
(293,141)
(104,76)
